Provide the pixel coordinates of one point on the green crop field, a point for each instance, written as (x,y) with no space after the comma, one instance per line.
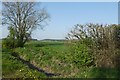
(42,59)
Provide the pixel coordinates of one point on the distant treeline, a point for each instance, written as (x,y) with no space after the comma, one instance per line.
(43,39)
(53,40)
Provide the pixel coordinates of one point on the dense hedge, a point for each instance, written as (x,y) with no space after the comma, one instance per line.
(103,42)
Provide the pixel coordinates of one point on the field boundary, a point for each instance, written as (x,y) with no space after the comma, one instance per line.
(31,66)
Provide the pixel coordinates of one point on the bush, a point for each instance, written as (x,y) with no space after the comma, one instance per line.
(8,43)
(108,46)
(102,40)
(81,55)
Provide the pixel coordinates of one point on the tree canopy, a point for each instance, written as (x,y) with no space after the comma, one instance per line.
(23,17)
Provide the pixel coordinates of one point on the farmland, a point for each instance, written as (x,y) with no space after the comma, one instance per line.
(43,59)
(77,40)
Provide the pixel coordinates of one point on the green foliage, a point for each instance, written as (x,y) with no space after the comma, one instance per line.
(81,55)
(10,41)
(102,40)
(13,68)
(96,72)
(53,57)
(104,72)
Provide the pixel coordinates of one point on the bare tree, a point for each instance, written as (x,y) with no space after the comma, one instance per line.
(23,17)
(102,35)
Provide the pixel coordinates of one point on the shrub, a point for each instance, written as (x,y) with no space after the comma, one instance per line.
(108,46)
(81,55)
(8,43)
(102,40)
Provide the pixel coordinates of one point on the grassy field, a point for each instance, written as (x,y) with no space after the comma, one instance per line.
(48,59)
